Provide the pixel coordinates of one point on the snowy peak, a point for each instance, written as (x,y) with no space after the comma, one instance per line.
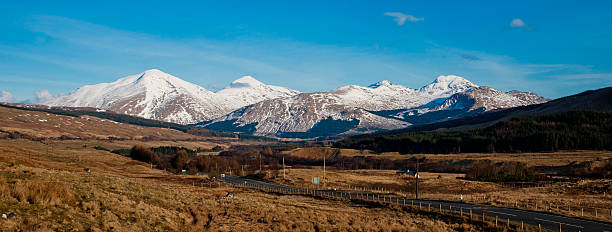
(448,85)
(380,83)
(248,90)
(449,79)
(246,81)
(452,81)
(152,76)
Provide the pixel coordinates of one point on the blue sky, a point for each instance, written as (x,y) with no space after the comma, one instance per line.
(554,48)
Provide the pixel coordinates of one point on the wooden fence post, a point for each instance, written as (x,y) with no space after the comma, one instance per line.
(539,227)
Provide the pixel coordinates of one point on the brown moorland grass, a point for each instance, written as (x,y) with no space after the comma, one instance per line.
(531,159)
(585,194)
(45,125)
(75,187)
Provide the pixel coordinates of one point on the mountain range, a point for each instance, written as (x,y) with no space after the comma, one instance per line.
(154,94)
(250,106)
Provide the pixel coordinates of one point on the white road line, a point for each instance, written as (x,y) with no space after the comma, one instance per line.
(509,214)
(558,222)
(557,216)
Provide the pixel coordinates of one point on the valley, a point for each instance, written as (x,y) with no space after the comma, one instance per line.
(386,116)
(88,186)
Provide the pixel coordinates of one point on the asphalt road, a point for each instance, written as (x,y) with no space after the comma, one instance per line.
(547,221)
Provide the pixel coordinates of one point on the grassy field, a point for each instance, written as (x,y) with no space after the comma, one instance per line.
(585,194)
(79,188)
(50,182)
(531,159)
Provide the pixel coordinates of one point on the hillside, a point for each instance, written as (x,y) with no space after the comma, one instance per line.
(353,109)
(154,94)
(42,125)
(573,130)
(597,100)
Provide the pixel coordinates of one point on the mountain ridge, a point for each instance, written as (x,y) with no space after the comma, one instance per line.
(157,95)
(300,113)
(248,105)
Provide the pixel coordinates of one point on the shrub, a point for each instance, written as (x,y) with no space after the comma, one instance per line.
(144,154)
(180,160)
(485,170)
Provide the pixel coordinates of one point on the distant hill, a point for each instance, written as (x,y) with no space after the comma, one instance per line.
(353,109)
(581,121)
(596,100)
(127,119)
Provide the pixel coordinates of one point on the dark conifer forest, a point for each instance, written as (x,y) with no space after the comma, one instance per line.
(574,130)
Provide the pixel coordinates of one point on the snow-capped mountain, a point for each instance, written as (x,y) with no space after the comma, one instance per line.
(247,90)
(157,95)
(476,100)
(387,96)
(356,109)
(301,113)
(248,105)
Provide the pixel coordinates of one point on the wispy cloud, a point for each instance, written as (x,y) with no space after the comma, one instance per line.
(470,57)
(6,96)
(42,96)
(401,18)
(519,23)
(103,54)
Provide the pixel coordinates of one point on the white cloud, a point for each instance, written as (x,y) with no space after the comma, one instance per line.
(6,96)
(517,23)
(401,18)
(42,96)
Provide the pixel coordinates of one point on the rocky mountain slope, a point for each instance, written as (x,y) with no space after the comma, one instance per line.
(250,106)
(387,96)
(154,94)
(301,113)
(355,109)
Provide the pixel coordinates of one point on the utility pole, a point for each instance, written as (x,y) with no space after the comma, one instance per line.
(416,179)
(283,166)
(324,180)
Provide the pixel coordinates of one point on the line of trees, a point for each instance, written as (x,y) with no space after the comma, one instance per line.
(486,170)
(574,130)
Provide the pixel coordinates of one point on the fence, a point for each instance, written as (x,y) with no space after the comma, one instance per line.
(495,223)
(554,206)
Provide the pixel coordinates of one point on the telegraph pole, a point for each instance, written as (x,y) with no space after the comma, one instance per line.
(416,179)
(324,180)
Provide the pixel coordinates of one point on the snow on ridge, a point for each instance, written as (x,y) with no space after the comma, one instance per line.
(157,95)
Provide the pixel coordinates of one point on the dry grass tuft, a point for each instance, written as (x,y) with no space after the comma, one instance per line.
(38,192)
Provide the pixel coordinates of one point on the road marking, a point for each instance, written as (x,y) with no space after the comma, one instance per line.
(508,214)
(558,222)
(260,183)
